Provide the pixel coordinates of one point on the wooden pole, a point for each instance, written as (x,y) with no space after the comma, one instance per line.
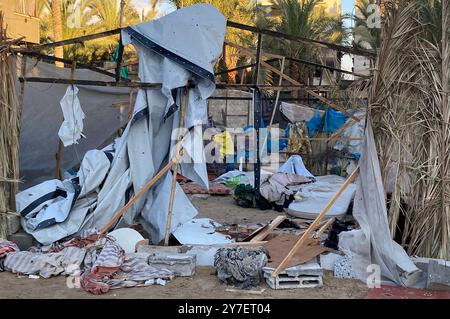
(315,224)
(178,149)
(144,189)
(275,107)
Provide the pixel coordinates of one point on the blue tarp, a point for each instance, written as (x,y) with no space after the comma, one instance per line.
(315,124)
(330,123)
(333,120)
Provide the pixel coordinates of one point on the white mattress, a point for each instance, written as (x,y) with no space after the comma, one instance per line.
(315,196)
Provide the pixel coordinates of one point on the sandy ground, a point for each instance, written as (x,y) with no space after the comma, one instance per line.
(203,285)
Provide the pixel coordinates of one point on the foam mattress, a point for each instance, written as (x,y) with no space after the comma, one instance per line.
(315,196)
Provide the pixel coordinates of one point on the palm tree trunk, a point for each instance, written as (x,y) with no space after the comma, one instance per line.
(57,30)
(231,60)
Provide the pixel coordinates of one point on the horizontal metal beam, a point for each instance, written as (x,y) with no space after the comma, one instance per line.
(37,48)
(243,67)
(236,98)
(91,83)
(70,62)
(292,37)
(322,66)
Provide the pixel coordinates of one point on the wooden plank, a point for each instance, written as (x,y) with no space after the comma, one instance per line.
(323,66)
(324,227)
(314,225)
(144,190)
(268,229)
(279,246)
(299,61)
(178,149)
(309,91)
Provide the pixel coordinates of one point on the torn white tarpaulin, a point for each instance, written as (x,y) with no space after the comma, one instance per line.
(297,113)
(200,231)
(295,165)
(71,129)
(45,208)
(146,144)
(371,246)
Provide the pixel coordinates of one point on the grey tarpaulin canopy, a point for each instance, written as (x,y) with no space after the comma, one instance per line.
(191,44)
(42,118)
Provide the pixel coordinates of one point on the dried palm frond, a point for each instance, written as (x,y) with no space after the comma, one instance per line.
(408,100)
(9,130)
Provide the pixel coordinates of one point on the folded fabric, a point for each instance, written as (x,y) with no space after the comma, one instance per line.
(112,269)
(7,247)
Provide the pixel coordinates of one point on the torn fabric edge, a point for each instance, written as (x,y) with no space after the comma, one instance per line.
(372,246)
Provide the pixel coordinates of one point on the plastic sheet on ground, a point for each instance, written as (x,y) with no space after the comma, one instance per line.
(200,231)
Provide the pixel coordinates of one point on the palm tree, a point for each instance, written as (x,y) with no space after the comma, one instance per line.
(90,16)
(306,19)
(235,10)
(57,29)
(75,18)
(108,13)
(364,37)
(431,15)
(152,11)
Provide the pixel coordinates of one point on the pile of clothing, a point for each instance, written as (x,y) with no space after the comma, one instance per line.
(276,190)
(239,266)
(6,247)
(93,260)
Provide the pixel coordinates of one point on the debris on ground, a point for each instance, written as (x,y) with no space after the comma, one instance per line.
(240,267)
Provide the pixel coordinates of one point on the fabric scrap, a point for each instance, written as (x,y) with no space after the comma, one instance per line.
(239,266)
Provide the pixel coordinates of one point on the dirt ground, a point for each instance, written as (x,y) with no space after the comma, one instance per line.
(203,285)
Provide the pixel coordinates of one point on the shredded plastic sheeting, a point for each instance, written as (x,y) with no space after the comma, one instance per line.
(372,243)
(148,142)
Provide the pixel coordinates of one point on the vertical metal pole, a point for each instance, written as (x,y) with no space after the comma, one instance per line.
(119,60)
(257,124)
(120,53)
(257,117)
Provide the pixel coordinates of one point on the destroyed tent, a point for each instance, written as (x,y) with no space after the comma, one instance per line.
(42,118)
(372,244)
(101,188)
